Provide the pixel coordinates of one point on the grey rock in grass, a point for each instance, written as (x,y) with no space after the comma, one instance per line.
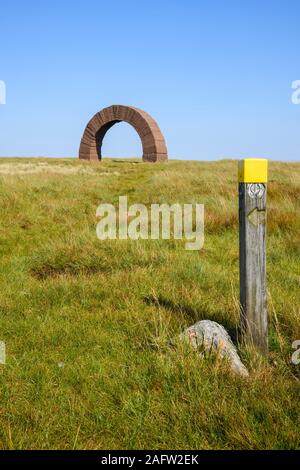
(207,336)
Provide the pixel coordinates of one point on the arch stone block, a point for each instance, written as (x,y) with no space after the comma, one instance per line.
(153,142)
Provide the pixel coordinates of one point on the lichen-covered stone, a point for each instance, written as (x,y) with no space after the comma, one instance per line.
(209,336)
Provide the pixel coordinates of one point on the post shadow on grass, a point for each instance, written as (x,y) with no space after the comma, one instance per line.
(194,315)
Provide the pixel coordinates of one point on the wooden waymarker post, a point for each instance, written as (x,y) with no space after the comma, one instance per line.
(253,175)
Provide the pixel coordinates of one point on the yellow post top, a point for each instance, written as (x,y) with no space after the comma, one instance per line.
(253,170)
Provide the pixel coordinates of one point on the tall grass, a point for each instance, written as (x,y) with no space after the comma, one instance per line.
(87,323)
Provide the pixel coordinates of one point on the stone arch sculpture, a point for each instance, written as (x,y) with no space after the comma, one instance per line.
(153,142)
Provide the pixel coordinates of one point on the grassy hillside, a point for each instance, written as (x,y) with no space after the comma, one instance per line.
(87,323)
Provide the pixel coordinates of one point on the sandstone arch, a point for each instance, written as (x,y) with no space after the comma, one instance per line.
(153,142)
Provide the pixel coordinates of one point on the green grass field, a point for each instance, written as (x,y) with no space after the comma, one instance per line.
(87,323)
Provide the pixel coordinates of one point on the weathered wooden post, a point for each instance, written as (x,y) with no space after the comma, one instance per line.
(253,175)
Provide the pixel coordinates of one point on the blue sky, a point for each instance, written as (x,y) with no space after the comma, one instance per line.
(215,75)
